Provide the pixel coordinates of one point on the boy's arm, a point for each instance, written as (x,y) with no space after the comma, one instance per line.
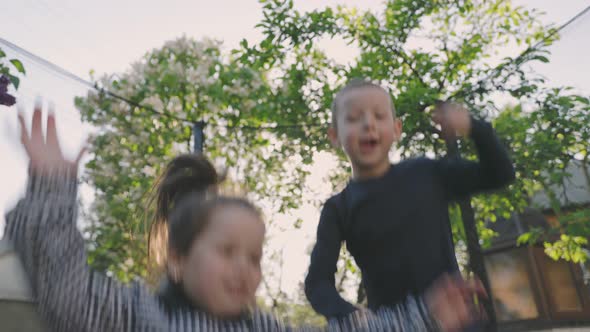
(494,169)
(320,286)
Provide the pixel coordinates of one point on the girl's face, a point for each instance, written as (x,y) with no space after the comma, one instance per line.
(221,272)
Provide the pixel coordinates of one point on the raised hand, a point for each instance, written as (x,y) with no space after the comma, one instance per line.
(45,153)
(453,118)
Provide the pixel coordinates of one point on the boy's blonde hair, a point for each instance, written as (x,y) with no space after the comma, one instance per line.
(354,84)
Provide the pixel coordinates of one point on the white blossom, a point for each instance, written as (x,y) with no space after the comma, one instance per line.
(149,170)
(155,102)
(175,105)
(249,104)
(177,69)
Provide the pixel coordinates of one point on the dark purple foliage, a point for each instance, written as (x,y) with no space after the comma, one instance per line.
(5,98)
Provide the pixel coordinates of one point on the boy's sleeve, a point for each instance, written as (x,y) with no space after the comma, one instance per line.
(494,169)
(320,286)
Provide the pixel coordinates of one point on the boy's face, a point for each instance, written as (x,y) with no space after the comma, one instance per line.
(366,128)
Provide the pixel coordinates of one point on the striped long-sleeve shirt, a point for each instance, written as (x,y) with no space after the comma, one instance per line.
(72,297)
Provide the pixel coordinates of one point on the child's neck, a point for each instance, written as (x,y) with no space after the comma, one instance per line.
(366,173)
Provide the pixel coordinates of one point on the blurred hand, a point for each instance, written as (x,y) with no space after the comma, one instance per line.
(45,153)
(451,302)
(453,119)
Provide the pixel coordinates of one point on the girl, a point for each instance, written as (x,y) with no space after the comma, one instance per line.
(214,249)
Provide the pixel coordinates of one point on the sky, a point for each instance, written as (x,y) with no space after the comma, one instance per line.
(107,36)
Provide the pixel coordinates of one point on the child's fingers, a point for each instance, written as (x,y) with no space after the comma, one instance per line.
(36,130)
(447,304)
(474,291)
(52,141)
(475,285)
(462,299)
(24,135)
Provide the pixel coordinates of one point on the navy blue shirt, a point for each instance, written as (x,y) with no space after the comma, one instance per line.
(397,226)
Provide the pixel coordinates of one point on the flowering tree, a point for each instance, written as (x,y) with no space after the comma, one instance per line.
(184,81)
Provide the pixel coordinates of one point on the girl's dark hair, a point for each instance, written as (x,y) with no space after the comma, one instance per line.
(182,201)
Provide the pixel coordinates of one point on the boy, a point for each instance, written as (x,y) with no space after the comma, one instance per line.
(394,218)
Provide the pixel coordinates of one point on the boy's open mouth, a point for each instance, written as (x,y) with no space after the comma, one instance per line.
(368,144)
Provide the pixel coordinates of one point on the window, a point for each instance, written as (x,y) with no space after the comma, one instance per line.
(563,284)
(512,291)
(560,284)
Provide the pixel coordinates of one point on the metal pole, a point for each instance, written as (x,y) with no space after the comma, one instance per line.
(198,137)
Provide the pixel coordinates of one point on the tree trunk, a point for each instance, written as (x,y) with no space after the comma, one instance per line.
(585,171)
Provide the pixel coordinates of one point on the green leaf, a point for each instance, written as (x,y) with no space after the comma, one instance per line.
(244,43)
(543,59)
(18,65)
(15,81)
(524,239)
